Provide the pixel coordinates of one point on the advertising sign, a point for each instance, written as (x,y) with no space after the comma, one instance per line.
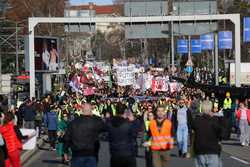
(46,53)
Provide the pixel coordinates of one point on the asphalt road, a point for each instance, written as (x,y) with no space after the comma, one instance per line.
(45,158)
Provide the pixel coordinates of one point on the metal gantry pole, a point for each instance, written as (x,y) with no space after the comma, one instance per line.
(0,69)
(32,59)
(17,63)
(216,60)
(172,46)
(237,49)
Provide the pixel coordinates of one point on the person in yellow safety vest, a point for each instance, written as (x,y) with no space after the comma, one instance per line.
(110,107)
(96,111)
(227,104)
(227,112)
(162,140)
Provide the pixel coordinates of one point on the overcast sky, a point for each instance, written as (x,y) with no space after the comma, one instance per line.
(77,2)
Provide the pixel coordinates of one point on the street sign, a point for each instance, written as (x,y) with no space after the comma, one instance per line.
(182,46)
(207,41)
(225,40)
(196,46)
(246,29)
(189,62)
(189,69)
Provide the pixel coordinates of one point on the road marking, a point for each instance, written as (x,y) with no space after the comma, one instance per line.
(240,160)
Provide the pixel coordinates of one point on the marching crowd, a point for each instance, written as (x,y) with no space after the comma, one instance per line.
(74,124)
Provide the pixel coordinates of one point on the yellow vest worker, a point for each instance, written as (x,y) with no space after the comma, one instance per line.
(161,139)
(227,104)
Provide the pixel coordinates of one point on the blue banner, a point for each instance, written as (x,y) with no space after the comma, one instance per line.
(207,41)
(182,46)
(225,40)
(246,29)
(196,46)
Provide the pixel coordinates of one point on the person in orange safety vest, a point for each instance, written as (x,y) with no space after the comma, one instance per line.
(161,138)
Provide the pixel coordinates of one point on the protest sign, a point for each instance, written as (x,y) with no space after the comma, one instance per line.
(159,84)
(89,91)
(30,144)
(148,80)
(173,87)
(125,75)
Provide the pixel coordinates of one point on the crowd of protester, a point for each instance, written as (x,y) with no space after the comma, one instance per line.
(74,123)
(204,76)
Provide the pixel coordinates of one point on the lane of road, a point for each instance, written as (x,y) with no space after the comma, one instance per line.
(45,158)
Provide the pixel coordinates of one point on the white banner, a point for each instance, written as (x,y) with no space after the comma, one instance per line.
(125,75)
(30,144)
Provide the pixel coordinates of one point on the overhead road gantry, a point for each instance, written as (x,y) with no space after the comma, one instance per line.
(234,18)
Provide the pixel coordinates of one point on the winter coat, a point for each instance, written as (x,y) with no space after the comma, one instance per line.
(50,120)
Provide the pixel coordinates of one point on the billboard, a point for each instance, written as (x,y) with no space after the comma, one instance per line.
(46,53)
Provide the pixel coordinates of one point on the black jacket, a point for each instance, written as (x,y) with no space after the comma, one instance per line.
(122,136)
(207,135)
(175,121)
(29,113)
(82,135)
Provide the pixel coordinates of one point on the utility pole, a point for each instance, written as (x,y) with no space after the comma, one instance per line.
(171,33)
(17,63)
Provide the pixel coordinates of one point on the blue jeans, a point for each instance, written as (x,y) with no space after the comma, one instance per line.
(208,160)
(83,161)
(182,138)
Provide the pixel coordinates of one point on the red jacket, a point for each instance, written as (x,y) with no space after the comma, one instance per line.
(9,134)
(238,115)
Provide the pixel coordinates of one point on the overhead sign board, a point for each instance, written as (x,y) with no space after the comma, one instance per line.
(182,46)
(225,40)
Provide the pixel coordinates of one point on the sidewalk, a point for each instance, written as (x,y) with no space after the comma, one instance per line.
(26,155)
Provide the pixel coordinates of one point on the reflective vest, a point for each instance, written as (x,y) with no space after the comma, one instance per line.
(161,140)
(227,103)
(113,110)
(147,123)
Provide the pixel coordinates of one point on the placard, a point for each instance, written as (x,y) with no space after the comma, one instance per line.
(125,75)
(159,84)
(30,144)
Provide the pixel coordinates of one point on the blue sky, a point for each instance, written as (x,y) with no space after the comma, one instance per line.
(77,2)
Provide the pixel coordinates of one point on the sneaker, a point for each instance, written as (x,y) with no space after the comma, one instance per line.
(184,155)
(243,144)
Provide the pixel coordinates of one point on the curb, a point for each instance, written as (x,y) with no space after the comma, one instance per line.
(25,156)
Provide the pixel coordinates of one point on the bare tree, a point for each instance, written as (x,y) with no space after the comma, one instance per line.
(22,9)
